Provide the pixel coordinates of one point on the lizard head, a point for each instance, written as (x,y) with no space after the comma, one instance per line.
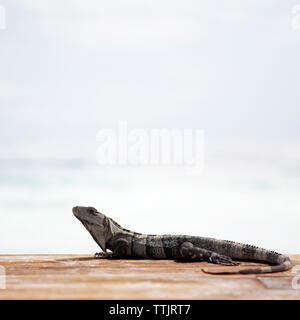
(95,222)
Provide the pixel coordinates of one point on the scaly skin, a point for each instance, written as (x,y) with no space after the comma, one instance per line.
(124,243)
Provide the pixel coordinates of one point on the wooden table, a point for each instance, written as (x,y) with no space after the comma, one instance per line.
(83,277)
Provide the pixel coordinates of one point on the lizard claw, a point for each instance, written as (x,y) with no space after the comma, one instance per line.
(223,260)
(99,255)
(103,255)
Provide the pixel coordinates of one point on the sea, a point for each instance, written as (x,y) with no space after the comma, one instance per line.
(248,191)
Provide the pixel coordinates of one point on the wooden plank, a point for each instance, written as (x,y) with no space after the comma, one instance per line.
(83,277)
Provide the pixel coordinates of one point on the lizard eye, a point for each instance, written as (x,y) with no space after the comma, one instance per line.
(92,211)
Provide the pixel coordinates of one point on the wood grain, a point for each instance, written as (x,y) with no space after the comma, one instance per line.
(83,277)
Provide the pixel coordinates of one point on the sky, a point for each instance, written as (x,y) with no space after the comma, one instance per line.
(70,68)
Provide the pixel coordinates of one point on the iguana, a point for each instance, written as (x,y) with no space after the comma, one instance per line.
(125,243)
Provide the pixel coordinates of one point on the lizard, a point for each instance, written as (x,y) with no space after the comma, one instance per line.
(123,243)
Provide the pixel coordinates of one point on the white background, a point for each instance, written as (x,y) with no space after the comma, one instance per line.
(71,68)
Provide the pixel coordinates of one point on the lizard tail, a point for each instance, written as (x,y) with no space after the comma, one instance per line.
(283,264)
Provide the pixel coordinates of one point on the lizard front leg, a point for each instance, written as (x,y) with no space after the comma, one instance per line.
(120,249)
(190,252)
